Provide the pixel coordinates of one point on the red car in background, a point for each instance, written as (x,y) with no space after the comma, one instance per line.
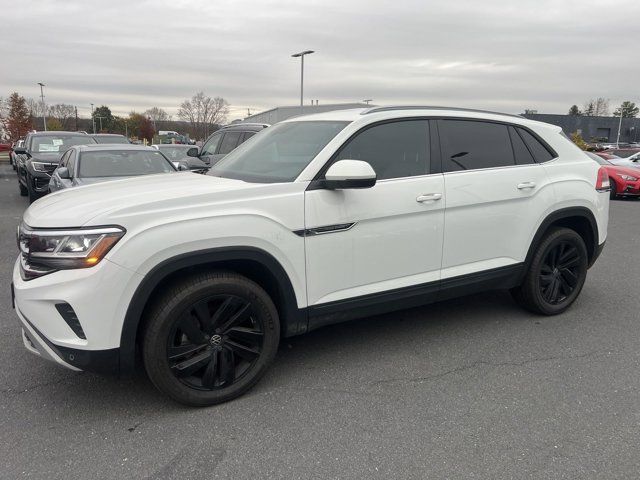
(625,181)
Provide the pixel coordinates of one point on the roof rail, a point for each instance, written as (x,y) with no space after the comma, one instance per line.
(247,124)
(428,107)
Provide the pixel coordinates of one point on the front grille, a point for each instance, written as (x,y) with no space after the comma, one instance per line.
(50,167)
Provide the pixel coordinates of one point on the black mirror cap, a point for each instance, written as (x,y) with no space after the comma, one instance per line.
(349,183)
(193,152)
(63,172)
(20,151)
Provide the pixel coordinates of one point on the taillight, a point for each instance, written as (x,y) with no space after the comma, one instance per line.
(602,184)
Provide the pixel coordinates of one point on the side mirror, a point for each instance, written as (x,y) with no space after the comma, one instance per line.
(63,172)
(181,166)
(350,174)
(192,152)
(20,151)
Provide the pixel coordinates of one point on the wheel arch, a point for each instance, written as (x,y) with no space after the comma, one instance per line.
(254,263)
(579,219)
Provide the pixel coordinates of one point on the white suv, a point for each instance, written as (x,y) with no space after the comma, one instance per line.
(313,221)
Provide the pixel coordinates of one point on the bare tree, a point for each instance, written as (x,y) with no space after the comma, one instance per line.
(596,108)
(203,112)
(64,113)
(157,114)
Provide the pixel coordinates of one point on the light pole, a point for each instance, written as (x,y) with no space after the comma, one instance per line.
(93,120)
(44,113)
(367,101)
(619,127)
(301,55)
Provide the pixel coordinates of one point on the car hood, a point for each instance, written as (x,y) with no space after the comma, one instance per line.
(46,157)
(116,201)
(91,180)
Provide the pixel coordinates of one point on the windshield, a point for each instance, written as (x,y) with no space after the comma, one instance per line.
(122,163)
(278,153)
(111,139)
(58,143)
(175,152)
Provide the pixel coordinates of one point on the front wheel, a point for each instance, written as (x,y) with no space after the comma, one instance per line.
(23,190)
(209,338)
(612,192)
(556,274)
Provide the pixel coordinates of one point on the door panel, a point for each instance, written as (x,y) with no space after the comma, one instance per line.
(395,240)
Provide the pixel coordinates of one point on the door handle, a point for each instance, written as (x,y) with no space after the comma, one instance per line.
(428,197)
(522,186)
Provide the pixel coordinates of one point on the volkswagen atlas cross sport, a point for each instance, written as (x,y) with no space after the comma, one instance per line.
(317,220)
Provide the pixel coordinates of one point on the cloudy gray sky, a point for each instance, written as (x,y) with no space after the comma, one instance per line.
(503,55)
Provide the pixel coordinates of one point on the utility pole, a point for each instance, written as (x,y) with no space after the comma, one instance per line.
(93,120)
(301,55)
(76,119)
(367,101)
(44,110)
(619,128)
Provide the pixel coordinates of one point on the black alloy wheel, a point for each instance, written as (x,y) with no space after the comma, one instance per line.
(559,272)
(209,337)
(215,342)
(556,273)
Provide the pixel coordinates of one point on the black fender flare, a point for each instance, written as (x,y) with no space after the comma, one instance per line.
(562,214)
(293,319)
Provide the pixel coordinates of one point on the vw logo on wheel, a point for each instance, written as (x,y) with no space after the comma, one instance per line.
(215,340)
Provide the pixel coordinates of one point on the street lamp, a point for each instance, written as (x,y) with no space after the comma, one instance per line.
(301,55)
(367,100)
(93,120)
(44,113)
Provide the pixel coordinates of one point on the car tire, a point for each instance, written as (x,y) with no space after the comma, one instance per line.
(556,273)
(193,349)
(33,196)
(24,191)
(612,192)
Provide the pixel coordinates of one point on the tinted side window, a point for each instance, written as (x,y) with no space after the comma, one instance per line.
(229,142)
(468,145)
(520,150)
(539,151)
(247,136)
(394,150)
(209,148)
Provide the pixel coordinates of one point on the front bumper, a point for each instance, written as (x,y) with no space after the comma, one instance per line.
(98,297)
(630,189)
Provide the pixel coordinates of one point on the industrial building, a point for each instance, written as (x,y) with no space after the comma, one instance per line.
(593,129)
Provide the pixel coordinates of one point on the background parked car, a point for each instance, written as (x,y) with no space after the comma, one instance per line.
(12,153)
(615,160)
(624,181)
(39,157)
(226,139)
(623,152)
(183,157)
(84,165)
(110,138)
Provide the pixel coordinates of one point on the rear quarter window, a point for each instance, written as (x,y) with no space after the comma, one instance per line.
(537,149)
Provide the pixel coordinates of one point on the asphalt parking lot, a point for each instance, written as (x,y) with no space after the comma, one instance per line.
(472,388)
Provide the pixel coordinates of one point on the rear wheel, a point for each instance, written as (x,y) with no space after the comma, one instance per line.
(23,190)
(556,275)
(210,338)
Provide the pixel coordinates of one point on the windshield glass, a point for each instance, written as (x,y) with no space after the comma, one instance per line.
(278,153)
(122,163)
(175,152)
(58,143)
(111,139)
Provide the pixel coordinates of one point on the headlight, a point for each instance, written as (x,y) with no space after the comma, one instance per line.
(628,178)
(45,251)
(39,166)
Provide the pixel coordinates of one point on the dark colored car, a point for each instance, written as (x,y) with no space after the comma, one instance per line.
(623,152)
(87,164)
(110,138)
(183,157)
(39,157)
(12,153)
(226,139)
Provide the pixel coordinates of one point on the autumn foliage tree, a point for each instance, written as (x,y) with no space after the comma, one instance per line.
(18,120)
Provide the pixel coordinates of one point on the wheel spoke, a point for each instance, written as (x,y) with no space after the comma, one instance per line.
(191,328)
(192,365)
(224,311)
(569,277)
(545,268)
(245,352)
(572,262)
(237,318)
(245,334)
(211,373)
(546,279)
(227,366)
(183,350)
(201,309)
(553,297)
(569,253)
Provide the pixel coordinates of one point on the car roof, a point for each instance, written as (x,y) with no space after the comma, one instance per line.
(55,133)
(250,127)
(112,146)
(107,135)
